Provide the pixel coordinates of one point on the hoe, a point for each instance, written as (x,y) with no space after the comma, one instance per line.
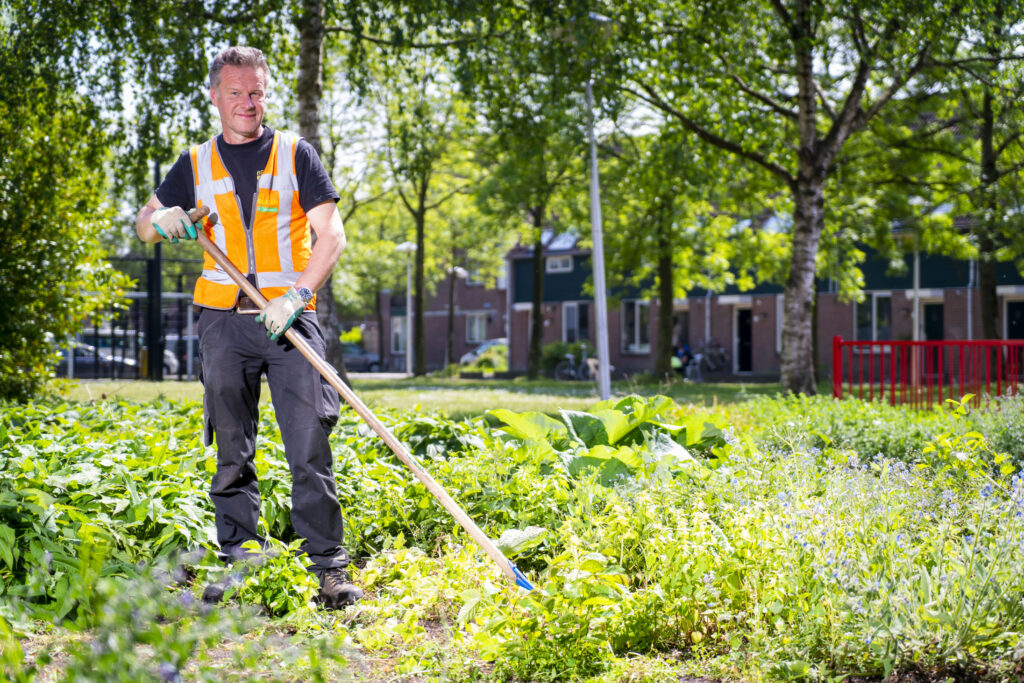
(506,566)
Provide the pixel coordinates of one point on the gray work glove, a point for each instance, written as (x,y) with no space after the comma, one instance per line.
(279,314)
(172,223)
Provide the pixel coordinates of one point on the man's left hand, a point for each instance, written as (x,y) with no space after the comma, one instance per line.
(279,314)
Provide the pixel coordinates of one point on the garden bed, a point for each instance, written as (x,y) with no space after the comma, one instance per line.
(771,539)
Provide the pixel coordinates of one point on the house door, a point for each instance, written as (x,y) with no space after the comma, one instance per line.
(933,322)
(744,340)
(1015,319)
(681,327)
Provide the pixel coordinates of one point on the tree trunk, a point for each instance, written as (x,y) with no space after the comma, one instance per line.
(310,24)
(419,350)
(808,190)
(797,340)
(309,90)
(666,305)
(537,310)
(986,243)
(449,352)
(382,334)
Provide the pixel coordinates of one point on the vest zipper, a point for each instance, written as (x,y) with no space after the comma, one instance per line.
(250,244)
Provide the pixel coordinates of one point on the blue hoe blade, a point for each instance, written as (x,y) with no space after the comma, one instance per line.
(520,579)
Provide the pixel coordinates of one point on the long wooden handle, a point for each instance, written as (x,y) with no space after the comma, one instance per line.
(331,375)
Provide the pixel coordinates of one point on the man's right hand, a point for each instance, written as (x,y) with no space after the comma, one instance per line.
(172,223)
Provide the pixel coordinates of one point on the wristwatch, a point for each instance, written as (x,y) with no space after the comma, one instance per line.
(305,294)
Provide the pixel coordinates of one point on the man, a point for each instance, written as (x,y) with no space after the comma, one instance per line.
(271,193)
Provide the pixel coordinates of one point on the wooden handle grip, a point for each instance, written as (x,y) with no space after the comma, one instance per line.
(202,212)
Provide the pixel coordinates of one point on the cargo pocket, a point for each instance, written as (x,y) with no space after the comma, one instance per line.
(327,400)
(330,402)
(207,425)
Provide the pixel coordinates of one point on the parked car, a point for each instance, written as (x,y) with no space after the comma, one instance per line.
(359,360)
(93,363)
(470,357)
(126,343)
(180,348)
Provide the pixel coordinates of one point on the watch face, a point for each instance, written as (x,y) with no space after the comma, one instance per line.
(305,294)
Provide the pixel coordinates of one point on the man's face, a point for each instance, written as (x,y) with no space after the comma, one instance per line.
(239,97)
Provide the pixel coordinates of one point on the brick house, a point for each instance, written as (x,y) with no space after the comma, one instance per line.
(569,312)
(746,325)
(479,315)
(749,324)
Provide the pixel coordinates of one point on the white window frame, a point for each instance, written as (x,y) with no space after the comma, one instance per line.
(574,306)
(398,331)
(634,346)
(473,277)
(560,263)
(873,297)
(476,322)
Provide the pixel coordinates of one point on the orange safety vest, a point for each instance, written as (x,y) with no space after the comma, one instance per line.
(279,243)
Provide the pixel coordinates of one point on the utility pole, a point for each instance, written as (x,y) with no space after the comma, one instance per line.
(597,259)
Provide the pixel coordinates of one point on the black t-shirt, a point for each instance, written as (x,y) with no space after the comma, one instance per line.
(245,163)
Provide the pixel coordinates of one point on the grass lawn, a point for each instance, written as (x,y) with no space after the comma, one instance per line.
(456,398)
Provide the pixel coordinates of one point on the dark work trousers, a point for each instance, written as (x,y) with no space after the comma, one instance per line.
(236,352)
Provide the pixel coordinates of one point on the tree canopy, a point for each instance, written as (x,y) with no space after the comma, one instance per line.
(779,138)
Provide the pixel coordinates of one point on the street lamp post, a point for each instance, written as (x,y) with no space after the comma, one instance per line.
(408,248)
(597,260)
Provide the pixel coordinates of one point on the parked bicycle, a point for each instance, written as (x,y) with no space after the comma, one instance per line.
(568,369)
(707,358)
(587,369)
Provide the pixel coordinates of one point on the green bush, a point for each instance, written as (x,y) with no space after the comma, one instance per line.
(52,285)
(494,359)
(353,335)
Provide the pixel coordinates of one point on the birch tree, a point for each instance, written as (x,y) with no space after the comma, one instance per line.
(783,84)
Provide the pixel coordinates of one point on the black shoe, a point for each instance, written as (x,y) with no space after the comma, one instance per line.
(337,589)
(215,592)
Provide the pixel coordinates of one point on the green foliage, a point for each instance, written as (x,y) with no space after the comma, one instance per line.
(494,359)
(143,632)
(353,335)
(53,212)
(76,505)
(273,576)
(771,549)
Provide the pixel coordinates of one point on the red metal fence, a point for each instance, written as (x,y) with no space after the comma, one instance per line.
(926,372)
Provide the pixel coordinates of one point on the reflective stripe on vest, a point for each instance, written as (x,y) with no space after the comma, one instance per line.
(278,248)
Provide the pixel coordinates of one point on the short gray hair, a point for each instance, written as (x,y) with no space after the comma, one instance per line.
(237,56)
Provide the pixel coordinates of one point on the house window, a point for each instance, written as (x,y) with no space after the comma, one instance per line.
(575,321)
(474,278)
(476,327)
(635,328)
(398,329)
(558,264)
(874,317)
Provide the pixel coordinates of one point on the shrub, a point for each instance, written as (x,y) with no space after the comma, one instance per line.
(494,359)
(353,334)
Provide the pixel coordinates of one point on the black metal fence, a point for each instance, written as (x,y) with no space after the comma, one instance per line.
(143,339)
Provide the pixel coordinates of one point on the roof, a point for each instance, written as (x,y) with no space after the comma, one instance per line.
(553,243)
